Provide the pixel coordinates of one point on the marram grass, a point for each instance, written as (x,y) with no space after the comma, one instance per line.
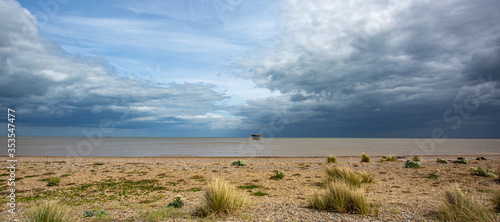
(331,159)
(339,196)
(347,175)
(365,158)
(457,206)
(221,198)
(48,211)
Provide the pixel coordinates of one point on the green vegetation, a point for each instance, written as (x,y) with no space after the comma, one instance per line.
(163,214)
(416,159)
(220,198)
(178,202)
(412,164)
(98,164)
(391,158)
(347,175)
(278,175)
(461,160)
(482,172)
(496,200)
(433,175)
(53,181)
(459,206)
(339,196)
(259,194)
(249,187)
(439,160)
(331,159)
(365,158)
(99,215)
(239,163)
(48,211)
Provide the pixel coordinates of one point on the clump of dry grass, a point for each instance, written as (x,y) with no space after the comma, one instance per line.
(331,159)
(391,158)
(365,158)
(339,196)
(460,206)
(48,211)
(221,198)
(496,200)
(348,175)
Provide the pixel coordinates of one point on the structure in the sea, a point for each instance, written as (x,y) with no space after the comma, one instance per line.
(256,136)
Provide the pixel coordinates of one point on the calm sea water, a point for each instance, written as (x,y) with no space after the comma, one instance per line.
(245,147)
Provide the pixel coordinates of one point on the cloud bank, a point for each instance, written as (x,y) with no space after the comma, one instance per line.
(49,88)
(380,68)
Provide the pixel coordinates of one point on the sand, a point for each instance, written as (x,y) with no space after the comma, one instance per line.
(129,188)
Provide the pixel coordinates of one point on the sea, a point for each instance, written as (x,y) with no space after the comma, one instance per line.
(247,147)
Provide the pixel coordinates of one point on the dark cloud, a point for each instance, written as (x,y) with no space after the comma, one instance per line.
(380,68)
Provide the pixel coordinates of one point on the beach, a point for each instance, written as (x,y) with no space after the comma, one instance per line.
(130,188)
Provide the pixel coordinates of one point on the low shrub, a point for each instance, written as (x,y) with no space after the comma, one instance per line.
(459,206)
(391,158)
(412,164)
(278,175)
(482,172)
(331,159)
(178,202)
(53,181)
(439,160)
(52,211)
(239,163)
(340,197)
(365,158)
(461,160)
(416,159)
(433,175)
(220,198)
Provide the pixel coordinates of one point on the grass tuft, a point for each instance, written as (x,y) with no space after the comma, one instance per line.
(278,175)
(348,175)
(340,197)
(439,160)
(496,200)
(459,206)
(391,158)
(416,159)
(365,158)
(331,159)
(220,198)
(48,211)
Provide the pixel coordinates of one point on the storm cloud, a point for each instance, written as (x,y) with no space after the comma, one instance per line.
(380,68)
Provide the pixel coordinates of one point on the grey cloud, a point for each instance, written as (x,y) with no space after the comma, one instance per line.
(49,88)
(394,66)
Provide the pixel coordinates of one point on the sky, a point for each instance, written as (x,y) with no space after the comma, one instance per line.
(231,68)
